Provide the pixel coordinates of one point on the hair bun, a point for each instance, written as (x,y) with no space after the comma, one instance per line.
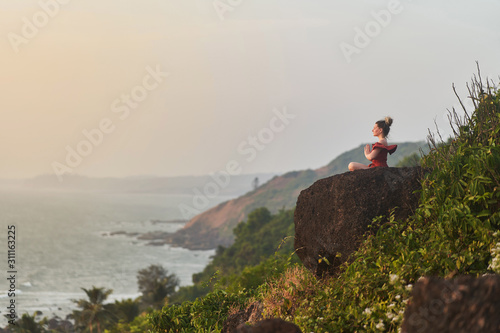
(388,121)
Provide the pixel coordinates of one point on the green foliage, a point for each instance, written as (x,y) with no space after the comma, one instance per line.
(28,324)
(139,324)
(190,293)
(173,319)
(454,231)
(206,314)
(156,285)
(257,238)
(262,247)
(94,314)
(253,277)
(126,310)
(261,251)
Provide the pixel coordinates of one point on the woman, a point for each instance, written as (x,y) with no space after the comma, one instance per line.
(378,153)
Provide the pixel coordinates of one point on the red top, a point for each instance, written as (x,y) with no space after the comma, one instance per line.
(381,159)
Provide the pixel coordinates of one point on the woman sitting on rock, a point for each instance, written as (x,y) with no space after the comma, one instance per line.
(378,153)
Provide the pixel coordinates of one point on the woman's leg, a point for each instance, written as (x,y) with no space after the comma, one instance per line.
(357,166)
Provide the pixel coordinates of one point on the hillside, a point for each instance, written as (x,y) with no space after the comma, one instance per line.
(454,234)
(447,252)
(215,226)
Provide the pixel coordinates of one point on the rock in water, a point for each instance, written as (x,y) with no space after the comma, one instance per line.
(463,304)
(334,213)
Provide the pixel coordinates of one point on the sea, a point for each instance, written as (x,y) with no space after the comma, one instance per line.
(66,241)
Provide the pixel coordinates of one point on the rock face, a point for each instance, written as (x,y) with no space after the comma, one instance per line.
(269,326)
(334,213)
(464,304)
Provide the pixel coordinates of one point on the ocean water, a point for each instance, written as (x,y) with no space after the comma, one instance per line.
(64,243)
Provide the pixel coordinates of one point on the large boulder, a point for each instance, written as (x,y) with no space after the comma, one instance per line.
(464,304)
(334,213)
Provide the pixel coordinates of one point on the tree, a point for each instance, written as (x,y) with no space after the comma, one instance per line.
(156,285)
(28,324)
(127,309)
(94,311)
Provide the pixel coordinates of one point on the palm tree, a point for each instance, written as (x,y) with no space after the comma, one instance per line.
(93,311)
(28,324)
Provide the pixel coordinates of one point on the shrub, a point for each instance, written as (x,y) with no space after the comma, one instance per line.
(206,314)
(454,231)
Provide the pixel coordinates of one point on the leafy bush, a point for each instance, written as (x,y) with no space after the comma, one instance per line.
(254,276)
(206,314)
(139,324)
(454,231)
(262,246)
(261,251)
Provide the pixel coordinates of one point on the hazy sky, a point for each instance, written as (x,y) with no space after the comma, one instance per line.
(182,87)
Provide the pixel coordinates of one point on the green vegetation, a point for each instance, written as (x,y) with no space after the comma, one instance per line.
(262,247)
(126,310)
(275,198)
(28,324)
(94,314)
(206,314)
(156,285)
(453,231)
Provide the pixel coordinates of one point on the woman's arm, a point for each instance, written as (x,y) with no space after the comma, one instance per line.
(370,155)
